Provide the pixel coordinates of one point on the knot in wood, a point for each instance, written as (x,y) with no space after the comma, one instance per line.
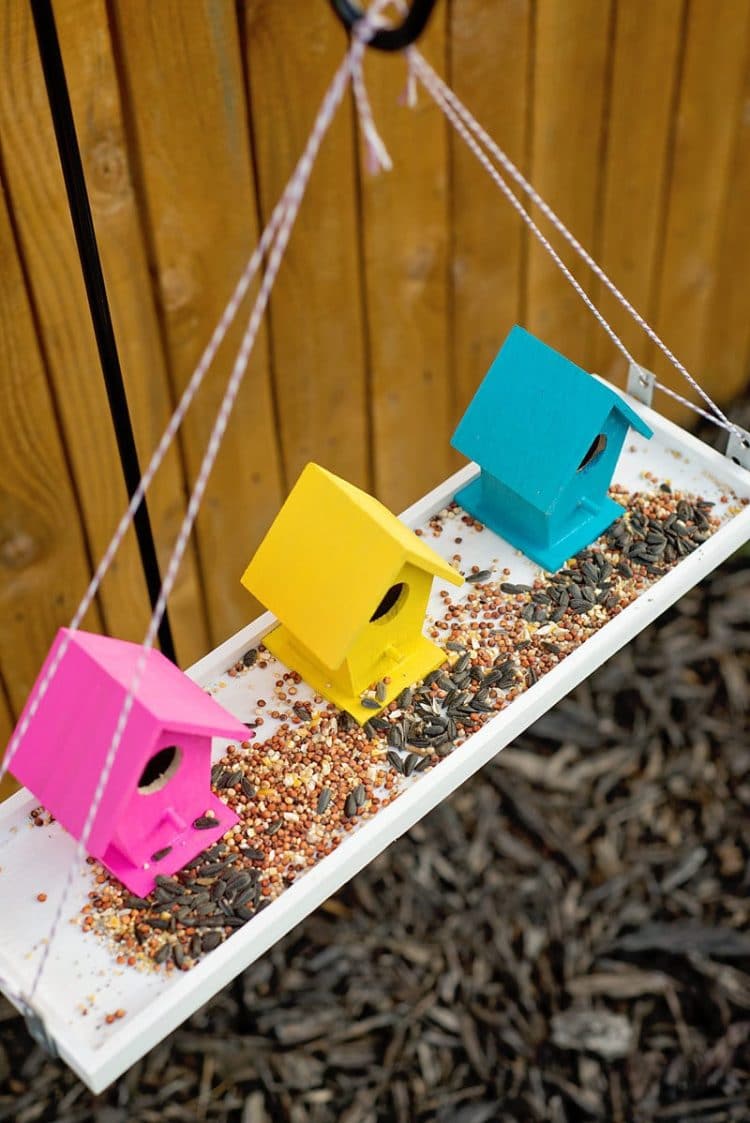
(109,173)
(18,548)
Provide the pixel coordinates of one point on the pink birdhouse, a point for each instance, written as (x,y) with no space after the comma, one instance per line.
(157,808)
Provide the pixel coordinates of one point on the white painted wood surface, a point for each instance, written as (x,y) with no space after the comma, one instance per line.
(81,972)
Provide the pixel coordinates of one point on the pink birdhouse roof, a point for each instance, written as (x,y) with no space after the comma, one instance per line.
(165,692)
(61,757)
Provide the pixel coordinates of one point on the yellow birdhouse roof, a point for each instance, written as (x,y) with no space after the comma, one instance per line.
(329,557)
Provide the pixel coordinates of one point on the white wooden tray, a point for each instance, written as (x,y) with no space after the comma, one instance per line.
(81,974)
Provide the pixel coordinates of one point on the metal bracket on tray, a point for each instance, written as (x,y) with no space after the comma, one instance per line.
(641,383)
(738,447)
(37,1029)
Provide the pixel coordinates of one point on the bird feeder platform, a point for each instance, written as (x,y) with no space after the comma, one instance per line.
(104,1015)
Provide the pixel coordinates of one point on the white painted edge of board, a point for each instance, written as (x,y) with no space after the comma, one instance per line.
(101,1066)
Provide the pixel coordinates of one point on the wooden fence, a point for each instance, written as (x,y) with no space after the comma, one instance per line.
(632,118)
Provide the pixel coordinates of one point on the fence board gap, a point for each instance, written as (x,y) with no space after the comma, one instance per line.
(487,233)
(406,261)
(183,73)
(37,197)
(43,562)
(87,53)
(317,322)
(725,359)
(645,69)
(710,99)
(569,91)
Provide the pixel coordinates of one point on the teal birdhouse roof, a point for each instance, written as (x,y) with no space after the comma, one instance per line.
(534,417)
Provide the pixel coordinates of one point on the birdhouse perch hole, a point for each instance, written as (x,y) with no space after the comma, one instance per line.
(596,448)
(159,770)
(390,603)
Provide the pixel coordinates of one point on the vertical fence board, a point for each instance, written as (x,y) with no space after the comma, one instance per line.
(570,74)
(183,76)
(37,198)
(43,563)
(396,291)
(87,53)
(405,214)
(645,71)
(486,232)
(317,334)
(710,99)
(725,363)
(8,784)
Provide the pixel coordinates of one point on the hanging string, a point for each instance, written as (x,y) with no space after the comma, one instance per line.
(457,122)
(272,244)
(293,196)
(469,128)
(365,29)
(158,455)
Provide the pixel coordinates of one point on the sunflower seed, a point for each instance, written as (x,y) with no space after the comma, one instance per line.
(350,807)
(159,854)
(245,897)
(248,789)
(396,737)
(132,902)
(163,954)
(360,795)
(475,578)
(160,922)
(205,823)
(395,761)
(381,691)
(169,885)
(250,656)
(411,763)
(323,800)
(275,826)
(217,889)
(211,940)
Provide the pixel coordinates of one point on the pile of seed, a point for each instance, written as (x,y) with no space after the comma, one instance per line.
(299,792)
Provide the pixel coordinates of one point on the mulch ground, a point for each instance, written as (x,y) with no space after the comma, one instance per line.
(565,939)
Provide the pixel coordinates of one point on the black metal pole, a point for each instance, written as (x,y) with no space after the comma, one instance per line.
(88,251)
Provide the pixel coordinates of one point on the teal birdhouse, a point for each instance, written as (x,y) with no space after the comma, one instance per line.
(547,437)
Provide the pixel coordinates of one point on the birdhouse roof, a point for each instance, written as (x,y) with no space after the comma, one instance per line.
(62,755)
(328,559)
(173,700)
(534,417)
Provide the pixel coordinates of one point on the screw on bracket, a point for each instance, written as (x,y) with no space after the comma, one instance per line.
(641,384)
(738,447)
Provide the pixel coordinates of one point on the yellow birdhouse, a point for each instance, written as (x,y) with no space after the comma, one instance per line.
(349,584)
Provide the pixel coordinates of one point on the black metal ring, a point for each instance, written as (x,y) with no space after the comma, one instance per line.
(390,38)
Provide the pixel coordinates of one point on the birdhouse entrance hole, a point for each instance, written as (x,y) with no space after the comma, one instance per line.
(159,770)
(390,602)
(596,448)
